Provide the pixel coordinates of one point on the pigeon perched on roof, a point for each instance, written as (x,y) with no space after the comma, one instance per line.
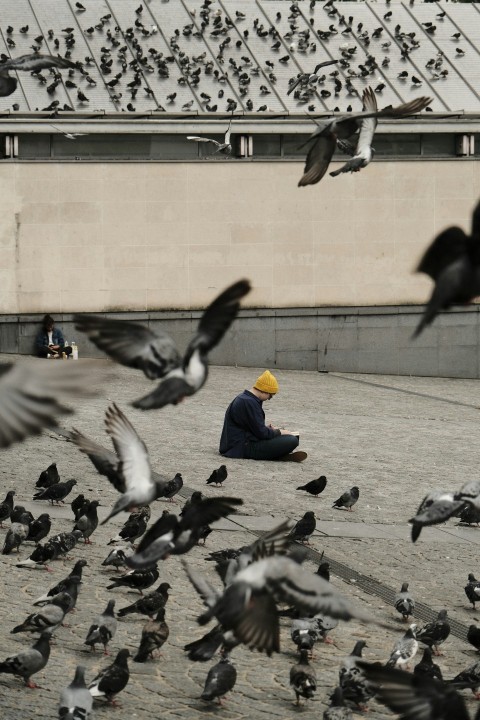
(75,700)
(87,523)
(218,476)
(154,635)
(426,666)
(404,649)
(48,477)
(472,590)
(17,534)
(173,536)
(6,507)
(453,262)
(39,528)
(56,493)
(303,678)
(173,487)
(28,63)
(112,679)
(136,579)
(248,606)
(28,662)
(304,528)
(148,604)
(355,687)
(404,602)
(347,499)
(224,148)
(49,617)
(323,140)
(315,487)
(136,346)
(434,634)
(221,678)
(414,696)
(103,629)
(129,471)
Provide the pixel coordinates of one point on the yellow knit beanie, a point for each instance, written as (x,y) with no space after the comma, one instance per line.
(266,383)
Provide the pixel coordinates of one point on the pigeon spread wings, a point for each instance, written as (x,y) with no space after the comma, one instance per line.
(135,463)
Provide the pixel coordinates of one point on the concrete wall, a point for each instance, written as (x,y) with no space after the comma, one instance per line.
(364,340)
(140,236)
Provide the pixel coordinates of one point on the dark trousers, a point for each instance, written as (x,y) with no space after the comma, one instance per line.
(274,449)
(44,351)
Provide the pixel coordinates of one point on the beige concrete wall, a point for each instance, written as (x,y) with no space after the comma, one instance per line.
(154,236)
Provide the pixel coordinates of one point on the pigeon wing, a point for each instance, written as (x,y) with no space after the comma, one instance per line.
(258,626)
(369,124)
(131,344)
(105,462)
(206,591)
(229,132)
(196,138)
(318,159)
(447,248)
(134,460)
(35,62)
(169,392)
(208,511)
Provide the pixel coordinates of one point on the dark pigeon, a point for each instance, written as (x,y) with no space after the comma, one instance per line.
(434,634)
(355,687)
(304,528)
(218,476)
(149,604)
(63,585)
(473,636)
(39,528)
(154,634)
(56,493)
(136,579)
(315,487)
(16,534)
(6,507)
(112,679)
(404,602)
(78,505)
(48,477)
(173,487)
(427,668)
(303,678)
(220,680)
(472,590)
(87,523)
(103,630)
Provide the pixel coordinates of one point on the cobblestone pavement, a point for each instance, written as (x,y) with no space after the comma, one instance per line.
(394,437)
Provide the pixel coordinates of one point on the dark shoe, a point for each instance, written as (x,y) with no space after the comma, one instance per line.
(298,456)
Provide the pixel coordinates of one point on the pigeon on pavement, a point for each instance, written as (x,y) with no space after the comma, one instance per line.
(17,534)
(337,710)
(117,557)
(404,603)
(61,586)
(78,505)
(173,487)
(355,687)
(470,677)
(433,634)
(129,471)
(315,487)
(404,649)
(6,507)
(133,527)
(112,679)
(473,636)
(154,635)
(453,263)
(103,630)
(220,680)
(426,666)
(56,493)
(87,523)
(48,477)
(148,604)
(303,678)
(136,346)
(304,528)
(218,476)
(28,662)
(472,590)
(136,579)
(50,616)
(348,499)
(75,700)
(39,528)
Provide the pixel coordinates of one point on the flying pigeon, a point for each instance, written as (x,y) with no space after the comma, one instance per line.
(75,700)
(156,355)
(315,487)
(364,152)
(130,472)
(348,499)
(404,603)
(248,606)
(112,679)
(437,506)
(28,63)
(28,662)
(224,148)
(221,678)
(103,630)
(453,263)
(303,678)
(154,634)
(323,140)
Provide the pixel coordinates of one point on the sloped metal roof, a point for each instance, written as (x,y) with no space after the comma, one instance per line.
(210,58)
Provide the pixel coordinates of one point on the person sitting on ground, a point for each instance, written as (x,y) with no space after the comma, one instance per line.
(50,342)
(245,434)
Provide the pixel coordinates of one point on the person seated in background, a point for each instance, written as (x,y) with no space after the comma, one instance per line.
(245,434)
(50,341)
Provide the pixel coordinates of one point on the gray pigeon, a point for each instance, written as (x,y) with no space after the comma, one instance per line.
(404,602)
(434,634)
(224,148)
(87,523)
(348,499)
(117,557)
(173,487)
(249,605)
(303,678)
(154,635)
(129,471)
(364,152)
(75,700)
(28,662)
(221,679)
(338,710)
(49,617)
(112,679)
(136,346)
(103,630)
(355,686)
(28,63)
(404,649)
(17,533)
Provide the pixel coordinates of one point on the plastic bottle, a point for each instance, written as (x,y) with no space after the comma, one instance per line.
(74,350)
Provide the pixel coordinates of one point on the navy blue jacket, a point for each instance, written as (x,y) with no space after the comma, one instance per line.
(244,423)
(57,338)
